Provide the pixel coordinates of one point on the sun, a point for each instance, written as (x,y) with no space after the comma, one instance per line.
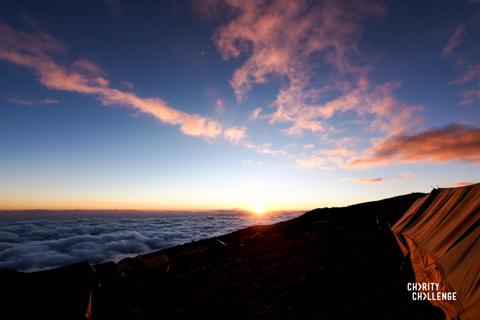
(259,209)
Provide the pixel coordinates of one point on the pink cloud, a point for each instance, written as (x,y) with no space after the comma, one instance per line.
(281,37)
(235,134)
(219,102)
(367,181)
(451,143)
(37,52)
(405,175)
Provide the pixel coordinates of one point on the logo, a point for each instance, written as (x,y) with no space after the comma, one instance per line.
(430,291)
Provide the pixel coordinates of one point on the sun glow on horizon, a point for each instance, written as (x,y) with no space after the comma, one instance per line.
(259,209)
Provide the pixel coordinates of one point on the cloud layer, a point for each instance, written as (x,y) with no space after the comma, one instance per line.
(33,244)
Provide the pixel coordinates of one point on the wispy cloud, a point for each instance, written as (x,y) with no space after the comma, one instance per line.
(451,143)
(470,96)
(37,52)
(255,114)
(24,102)
(48,101)
(370,181)
(469,80)
(471,74)
(269,149)
(405,175)
(128,85)
(29,102)
(324,158)
(454,41)
(367,181)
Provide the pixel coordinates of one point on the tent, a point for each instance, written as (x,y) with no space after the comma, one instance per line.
(441,234)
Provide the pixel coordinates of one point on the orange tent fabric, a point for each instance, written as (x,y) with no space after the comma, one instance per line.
(441,233)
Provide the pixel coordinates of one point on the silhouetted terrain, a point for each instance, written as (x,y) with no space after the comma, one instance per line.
(333,263)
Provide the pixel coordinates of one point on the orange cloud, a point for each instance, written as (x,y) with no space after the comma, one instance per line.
(451,143)
(37,52)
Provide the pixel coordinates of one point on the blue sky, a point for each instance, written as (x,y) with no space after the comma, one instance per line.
(228,104)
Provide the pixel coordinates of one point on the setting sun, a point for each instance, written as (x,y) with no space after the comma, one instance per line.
(259,209)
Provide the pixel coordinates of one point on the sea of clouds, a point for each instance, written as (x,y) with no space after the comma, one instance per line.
(31,242)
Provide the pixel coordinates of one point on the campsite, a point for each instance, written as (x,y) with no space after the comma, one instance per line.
(331,263)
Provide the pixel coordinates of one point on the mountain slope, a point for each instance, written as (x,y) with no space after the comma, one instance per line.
(326,264)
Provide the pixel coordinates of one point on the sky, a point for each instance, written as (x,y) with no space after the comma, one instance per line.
(221,104)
